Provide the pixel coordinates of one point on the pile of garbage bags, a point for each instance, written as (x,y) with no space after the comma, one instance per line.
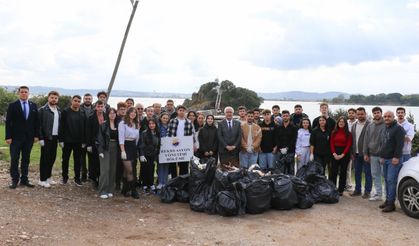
(230,191)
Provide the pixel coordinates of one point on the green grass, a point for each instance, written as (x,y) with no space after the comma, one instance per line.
(35,154)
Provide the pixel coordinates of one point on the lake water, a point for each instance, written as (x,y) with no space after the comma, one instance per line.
(310,108)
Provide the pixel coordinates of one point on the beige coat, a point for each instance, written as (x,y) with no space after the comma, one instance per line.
(256,136)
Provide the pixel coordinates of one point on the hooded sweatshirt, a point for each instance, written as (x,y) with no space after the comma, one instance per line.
(372,138)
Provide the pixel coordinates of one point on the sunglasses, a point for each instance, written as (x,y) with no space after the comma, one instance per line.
(140,108)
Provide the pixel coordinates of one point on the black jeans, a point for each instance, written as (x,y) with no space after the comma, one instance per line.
(325,161)
(94,166)
(339,167)
(173,170)
(48,156)
(183,167)
(85,163)
(147,169)
(16,149)
(76,149)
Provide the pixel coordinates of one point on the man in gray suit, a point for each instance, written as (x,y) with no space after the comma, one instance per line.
(229,137)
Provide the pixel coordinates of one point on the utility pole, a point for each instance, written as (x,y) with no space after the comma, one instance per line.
(121,50)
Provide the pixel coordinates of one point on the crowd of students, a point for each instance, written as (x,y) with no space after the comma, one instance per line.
(107,143)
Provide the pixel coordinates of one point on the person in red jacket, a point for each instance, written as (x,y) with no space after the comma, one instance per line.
(340,146)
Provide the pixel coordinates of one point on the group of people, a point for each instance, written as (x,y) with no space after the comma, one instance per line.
(107,143)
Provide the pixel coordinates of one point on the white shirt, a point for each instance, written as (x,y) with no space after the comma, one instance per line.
(410,133)
(56,121)
(181,128)
(303,140)
(250,140)
(350,124)
(359,127)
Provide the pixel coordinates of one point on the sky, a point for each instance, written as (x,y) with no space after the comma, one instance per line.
(357,46)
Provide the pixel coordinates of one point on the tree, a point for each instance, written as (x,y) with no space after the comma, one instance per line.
(338,113)
(6,97)
(231,96)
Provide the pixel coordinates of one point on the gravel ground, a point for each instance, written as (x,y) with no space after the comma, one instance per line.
(70,215)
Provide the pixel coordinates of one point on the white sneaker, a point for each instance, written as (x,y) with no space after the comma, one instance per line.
(103,196)
(110,195)
(44,184)
(375,198)
(51,181)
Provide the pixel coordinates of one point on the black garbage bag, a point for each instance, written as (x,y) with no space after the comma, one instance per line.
(224,179)
(280,165)
(168,194)
(210,199)
(258,195)
(227,203)
(198,175)
(310,169)
(231,202)
(200,182)
(182,196)
(323,190)
(301,188)
(175,190)
(284,196)
(197,198)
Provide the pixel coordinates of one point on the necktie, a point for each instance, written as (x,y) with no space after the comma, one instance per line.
(229,125)
(24,110)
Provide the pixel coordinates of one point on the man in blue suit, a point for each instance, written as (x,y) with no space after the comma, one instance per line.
(22,129)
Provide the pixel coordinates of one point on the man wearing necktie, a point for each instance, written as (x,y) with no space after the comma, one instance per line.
(229,137)
(22,129)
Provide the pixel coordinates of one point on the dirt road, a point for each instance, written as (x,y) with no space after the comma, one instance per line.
(70,215)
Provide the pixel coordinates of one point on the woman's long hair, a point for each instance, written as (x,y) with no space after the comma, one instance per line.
(345,128)
(148,131)
(195,122)
(309,123)
(127,119)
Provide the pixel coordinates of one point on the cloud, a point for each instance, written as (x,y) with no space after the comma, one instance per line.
(177,45)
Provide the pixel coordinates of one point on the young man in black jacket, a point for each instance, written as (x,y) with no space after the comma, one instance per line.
(391,153)
(87,108)
(22,130)
(330,122)
(93,123)
(71,135)
(268,145)
(285,139)
(49,120)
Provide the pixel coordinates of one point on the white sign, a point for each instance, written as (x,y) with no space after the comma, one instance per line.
(176,149)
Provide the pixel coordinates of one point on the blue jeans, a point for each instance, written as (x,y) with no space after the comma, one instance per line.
(391,172)
(163,172)
(247,159)
(266,161)
(377,174)
(361,165)
(406,157)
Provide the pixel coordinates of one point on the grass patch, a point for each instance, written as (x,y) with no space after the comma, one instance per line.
(35,154)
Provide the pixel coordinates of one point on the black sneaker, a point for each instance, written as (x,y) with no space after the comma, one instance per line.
(13,185)
(78,182)
(356,193)
(64,181)
(383,205)
(84,179)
